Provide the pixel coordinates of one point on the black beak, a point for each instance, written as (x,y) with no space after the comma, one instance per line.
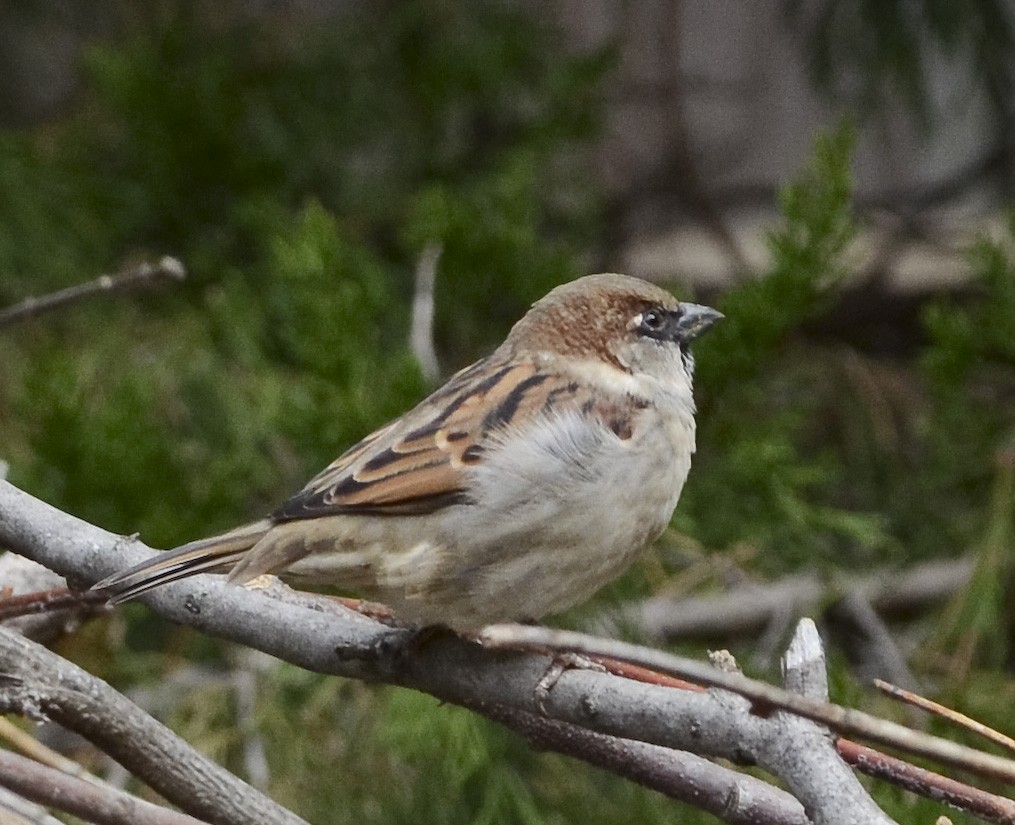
(695,320)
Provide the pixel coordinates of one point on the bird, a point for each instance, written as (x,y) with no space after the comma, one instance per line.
(514,491)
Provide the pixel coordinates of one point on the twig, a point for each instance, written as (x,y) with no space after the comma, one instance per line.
(421,334)
(34,614)
(762,695)
(926,783)
(36,682)
(141,275)
(48,601)
(951,715)
(95,803)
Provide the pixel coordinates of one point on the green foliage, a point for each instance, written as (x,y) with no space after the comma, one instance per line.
(808,266)
(970,368)
(755,462)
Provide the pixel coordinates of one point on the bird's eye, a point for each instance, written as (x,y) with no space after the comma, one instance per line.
(653,321)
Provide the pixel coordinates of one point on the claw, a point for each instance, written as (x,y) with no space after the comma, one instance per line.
(561,661)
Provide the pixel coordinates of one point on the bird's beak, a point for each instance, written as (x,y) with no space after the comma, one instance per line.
(694,321)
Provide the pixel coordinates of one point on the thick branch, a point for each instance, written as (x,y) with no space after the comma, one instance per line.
(37,683)
(761,694)
(734,797)
(810,761)
(94,803)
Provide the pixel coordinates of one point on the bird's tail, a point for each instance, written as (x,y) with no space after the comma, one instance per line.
(217,554)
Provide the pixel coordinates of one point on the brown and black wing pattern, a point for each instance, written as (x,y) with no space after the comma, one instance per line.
(418,464)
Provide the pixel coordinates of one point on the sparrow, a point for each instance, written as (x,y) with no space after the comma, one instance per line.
(516,490)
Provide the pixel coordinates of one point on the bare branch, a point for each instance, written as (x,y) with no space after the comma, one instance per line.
(926,783)
(318,634)
(735,798)
(810,764)
(749,608)
(838,718)
(35,682)
(951,715)
(421,334)
(141,275)
(94,803)
(16,810)
(36,602)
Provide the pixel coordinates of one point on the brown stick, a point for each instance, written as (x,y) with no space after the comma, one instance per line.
(95,803)
(145,274)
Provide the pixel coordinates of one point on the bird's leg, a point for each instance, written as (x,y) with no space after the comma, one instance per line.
(561,661)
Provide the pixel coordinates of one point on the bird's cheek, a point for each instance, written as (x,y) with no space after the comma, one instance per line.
(626,354)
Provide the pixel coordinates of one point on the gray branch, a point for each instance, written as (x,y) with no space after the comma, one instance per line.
(317,634)
(844,720)
(750,608)
(37,683)
(736,798)
(805,754)
(91,802)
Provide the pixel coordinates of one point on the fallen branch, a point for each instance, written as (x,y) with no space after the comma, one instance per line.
(750,608)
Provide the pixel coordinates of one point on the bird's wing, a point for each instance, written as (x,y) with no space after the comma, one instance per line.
(419,463)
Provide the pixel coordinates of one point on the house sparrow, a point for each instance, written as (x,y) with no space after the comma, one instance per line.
(517,489)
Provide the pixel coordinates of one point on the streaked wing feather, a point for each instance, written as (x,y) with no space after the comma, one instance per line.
(418,463)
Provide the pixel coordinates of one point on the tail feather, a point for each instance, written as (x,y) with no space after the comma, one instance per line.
(217,554)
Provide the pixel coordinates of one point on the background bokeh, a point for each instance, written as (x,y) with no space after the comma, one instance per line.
(836,183)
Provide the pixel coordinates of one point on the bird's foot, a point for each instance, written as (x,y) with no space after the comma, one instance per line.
(560,662)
